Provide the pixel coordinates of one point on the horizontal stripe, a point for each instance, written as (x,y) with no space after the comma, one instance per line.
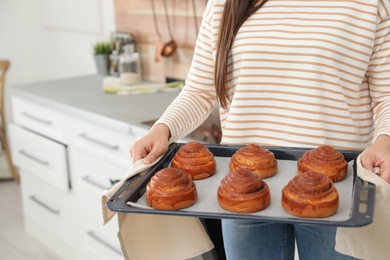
(301,73)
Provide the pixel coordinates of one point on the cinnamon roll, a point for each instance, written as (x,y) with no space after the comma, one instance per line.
(256,159)
(324,159)
(310,195)
(170,189)
(243,191)
(196,160)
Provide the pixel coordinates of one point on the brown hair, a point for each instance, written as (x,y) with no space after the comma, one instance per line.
(235,13)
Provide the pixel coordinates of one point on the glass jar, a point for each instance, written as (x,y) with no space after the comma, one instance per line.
(130,66)
(114,63)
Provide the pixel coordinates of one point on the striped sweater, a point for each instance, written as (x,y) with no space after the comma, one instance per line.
(302,73)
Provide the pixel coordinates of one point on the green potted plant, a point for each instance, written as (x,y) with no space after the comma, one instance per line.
(102,51)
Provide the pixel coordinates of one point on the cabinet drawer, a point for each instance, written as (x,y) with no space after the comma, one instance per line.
(90,177)
(92,174)
(39,118)
(99,244)
(109,144)
(42,157)
(45,205)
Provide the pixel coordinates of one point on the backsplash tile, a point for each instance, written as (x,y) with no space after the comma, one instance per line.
(136,17)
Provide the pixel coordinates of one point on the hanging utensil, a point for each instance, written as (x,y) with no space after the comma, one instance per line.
(170,47)
(159,44)
(195,18)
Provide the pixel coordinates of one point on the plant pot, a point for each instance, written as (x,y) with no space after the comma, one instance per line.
(102,64)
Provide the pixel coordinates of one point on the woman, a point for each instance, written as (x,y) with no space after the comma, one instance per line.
(287,73)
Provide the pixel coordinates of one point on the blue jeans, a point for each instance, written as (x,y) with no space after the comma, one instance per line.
(246,240)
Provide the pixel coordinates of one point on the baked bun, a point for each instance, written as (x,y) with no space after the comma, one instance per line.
(170,189)
(196,160)
(256,159)
(324,159)
(243,191)
(310,195)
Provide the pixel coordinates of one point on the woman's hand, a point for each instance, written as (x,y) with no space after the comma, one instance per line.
(378,155)
(152,145)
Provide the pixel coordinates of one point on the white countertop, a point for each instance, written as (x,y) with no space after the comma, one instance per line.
(84,97)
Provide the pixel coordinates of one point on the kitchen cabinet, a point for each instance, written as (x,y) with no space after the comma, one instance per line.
(42,157)
(98,155)
(110,144)
(39,148)
(64,175)
(70,142)
(91,175)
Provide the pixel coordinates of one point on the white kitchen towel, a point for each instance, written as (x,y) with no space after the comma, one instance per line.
(369,242)
(135,168)
(145,237)
(153,236)
(113,85)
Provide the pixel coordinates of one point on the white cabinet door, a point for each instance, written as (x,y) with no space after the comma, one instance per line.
(40,119)
(92,175)
(102,141)
(47,206)
(40,156)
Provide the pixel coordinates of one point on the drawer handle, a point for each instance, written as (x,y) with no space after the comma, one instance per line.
(37,201)
(32,157)
(88,180)
(99,142)
(38,119)
(100,240)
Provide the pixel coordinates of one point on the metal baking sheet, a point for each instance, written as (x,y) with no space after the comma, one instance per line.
(356,204)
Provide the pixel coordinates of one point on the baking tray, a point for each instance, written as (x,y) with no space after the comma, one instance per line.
(357,197)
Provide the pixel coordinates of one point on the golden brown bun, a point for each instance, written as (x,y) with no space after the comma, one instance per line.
(170,189)
(310,195)
(243,191)
(324,159)
(256,159)
(196,160)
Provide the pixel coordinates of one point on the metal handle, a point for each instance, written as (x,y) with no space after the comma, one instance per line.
(36,118)
(92,234)
(32,157)
(99,142)
(88,180)
(54,211)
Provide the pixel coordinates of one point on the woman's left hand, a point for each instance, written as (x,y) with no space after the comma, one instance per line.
(378,155)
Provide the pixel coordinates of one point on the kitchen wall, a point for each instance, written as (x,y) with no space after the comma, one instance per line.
(46,39)
(136,17)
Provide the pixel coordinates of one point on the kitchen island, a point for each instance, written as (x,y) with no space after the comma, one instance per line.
(70,142)
(84,97)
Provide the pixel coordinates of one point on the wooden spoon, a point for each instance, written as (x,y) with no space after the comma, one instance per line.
(170,47)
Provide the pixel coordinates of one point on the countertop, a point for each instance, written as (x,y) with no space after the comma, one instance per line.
(83,97)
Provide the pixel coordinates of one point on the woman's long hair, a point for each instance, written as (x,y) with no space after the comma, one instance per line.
(235,13)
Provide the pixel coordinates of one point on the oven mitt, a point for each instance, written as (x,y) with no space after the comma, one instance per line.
(154,236)
(371,241)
